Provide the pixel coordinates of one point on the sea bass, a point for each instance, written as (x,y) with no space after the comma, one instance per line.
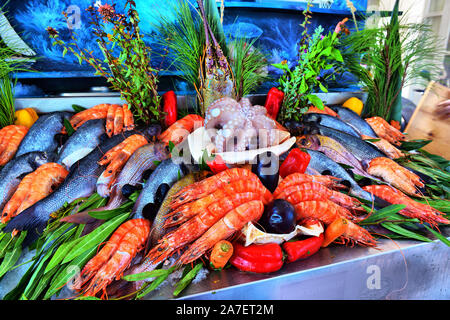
(325,165)
(353,119)
(80,182)
(168,172)
(13,172)
(42,134)
(330,122)
(81,142)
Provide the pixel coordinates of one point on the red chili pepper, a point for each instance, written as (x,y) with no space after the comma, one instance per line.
(169,100)
(217,165)
(296,161)
(273,103)
(303,248)
(259,258)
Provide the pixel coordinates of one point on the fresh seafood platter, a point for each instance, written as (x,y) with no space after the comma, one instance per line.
(227,196)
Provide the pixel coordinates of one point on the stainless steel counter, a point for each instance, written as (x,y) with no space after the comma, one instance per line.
(402,269)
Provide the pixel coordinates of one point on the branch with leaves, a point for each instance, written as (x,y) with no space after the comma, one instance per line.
(130,72)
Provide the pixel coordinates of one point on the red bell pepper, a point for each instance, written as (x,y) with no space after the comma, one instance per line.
(303,248)
(273,103)
(217,165)
(296,161)
(169,101)
(259,258)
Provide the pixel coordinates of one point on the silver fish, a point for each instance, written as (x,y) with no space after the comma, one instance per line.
(168,172)
(81,142)
(353,119)
(42,134)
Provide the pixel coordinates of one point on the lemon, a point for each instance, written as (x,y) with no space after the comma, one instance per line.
(354,104)
(26,117)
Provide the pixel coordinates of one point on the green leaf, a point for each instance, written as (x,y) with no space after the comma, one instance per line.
(153,285)
(414,144)
(372,140)
(404,232)
(383,213)
(70,130)
(12,255)
(77,108)
(322,87)
(96,237)
(187,279)
(282,66)
(147,274)
(316,101)
(108,214)
(438,235)
(61,252)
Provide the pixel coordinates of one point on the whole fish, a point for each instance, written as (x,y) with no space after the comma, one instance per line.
(81,142)
(80,182)
(353,119)
(324,165)
(168,171)
(42,134)
(157,230)
(361,149)
(334,150)
(330,122)
(13,172)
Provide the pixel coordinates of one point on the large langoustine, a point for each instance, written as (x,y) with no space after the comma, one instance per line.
(237,126)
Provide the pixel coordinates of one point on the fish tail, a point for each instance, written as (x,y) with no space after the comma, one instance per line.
(29,219)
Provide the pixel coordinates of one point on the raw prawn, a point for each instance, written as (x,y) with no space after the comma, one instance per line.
(413,208)
(198,225)
(395,174)
(115,256)
(178,131)
(128,121)
(326,110)
(206,186)
(384,130)
(384,145)
(299,178)
(97,112)
(10,139)
(191,209)
(224,228)
(327,212)
(308,191)
(34,187)
(120,155)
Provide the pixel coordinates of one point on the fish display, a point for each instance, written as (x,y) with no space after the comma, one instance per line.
(330,122)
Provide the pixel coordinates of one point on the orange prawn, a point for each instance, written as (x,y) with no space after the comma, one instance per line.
(413,208)
(199,224)
(191,209)
(115,256)
(128,120)
(384,130)
(390,171)
(34,187)
(327,212)
(233,221)
(11,137)
(179,130)
(117,161)
(110,119)
(315,191)
(299,178)
(97,112)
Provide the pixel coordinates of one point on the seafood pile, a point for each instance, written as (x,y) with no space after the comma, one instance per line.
(130,211)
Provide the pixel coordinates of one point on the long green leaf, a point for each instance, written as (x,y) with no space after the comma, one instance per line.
(96,237)
(404,232)
(187,279)
(147,274)
(153,285)
(384,212)
(438,235)
(12,255)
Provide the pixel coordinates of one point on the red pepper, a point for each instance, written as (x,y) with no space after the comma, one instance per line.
(273,103)
(303,248)
(259,258)
(169,100)
(296,161)
(217,165)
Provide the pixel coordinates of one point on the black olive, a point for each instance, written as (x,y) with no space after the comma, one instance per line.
(161,193)
(266,167)
(278,217)
(128,189)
